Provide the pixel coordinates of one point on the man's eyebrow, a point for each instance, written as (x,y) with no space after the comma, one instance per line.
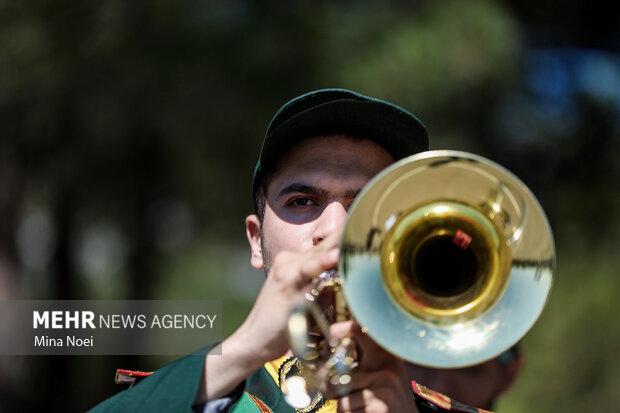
(351,193)
(301,188)
(314,191)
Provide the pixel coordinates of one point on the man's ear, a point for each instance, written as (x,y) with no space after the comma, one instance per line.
(252,231)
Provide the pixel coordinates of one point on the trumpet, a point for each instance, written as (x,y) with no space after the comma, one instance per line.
(447,260)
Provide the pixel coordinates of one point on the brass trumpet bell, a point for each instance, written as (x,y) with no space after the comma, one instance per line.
(447,259)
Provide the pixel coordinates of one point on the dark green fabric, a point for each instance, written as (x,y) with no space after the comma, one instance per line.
(262,386)
(246,405)
(173,389)
(170,389)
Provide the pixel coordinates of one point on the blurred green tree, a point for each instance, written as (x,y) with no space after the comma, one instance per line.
(129,130)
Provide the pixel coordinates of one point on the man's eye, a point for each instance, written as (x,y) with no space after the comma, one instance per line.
(302,202)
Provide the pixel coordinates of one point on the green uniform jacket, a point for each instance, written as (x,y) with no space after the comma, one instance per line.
(173,389)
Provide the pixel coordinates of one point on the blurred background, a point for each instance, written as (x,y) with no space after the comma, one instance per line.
(129,132)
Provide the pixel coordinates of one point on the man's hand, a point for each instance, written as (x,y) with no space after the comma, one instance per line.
(288,280)
(263,336)
(379,383)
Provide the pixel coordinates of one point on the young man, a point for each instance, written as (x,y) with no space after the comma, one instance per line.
(319,151)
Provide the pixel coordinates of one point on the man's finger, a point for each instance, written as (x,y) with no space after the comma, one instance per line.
(354,401)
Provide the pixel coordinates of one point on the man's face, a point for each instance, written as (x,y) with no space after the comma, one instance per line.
(310,192)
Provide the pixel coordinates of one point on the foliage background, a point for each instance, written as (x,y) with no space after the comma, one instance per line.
(129,131)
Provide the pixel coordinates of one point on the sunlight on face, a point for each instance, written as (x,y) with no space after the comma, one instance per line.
(312,188)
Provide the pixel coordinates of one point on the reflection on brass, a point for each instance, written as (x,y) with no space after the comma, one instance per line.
(447,260)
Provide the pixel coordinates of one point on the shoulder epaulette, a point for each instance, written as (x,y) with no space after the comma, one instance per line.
(429,400)
(130,377)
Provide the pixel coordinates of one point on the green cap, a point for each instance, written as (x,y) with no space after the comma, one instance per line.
(340,111)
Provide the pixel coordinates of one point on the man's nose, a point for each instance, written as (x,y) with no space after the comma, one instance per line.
(332,219)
